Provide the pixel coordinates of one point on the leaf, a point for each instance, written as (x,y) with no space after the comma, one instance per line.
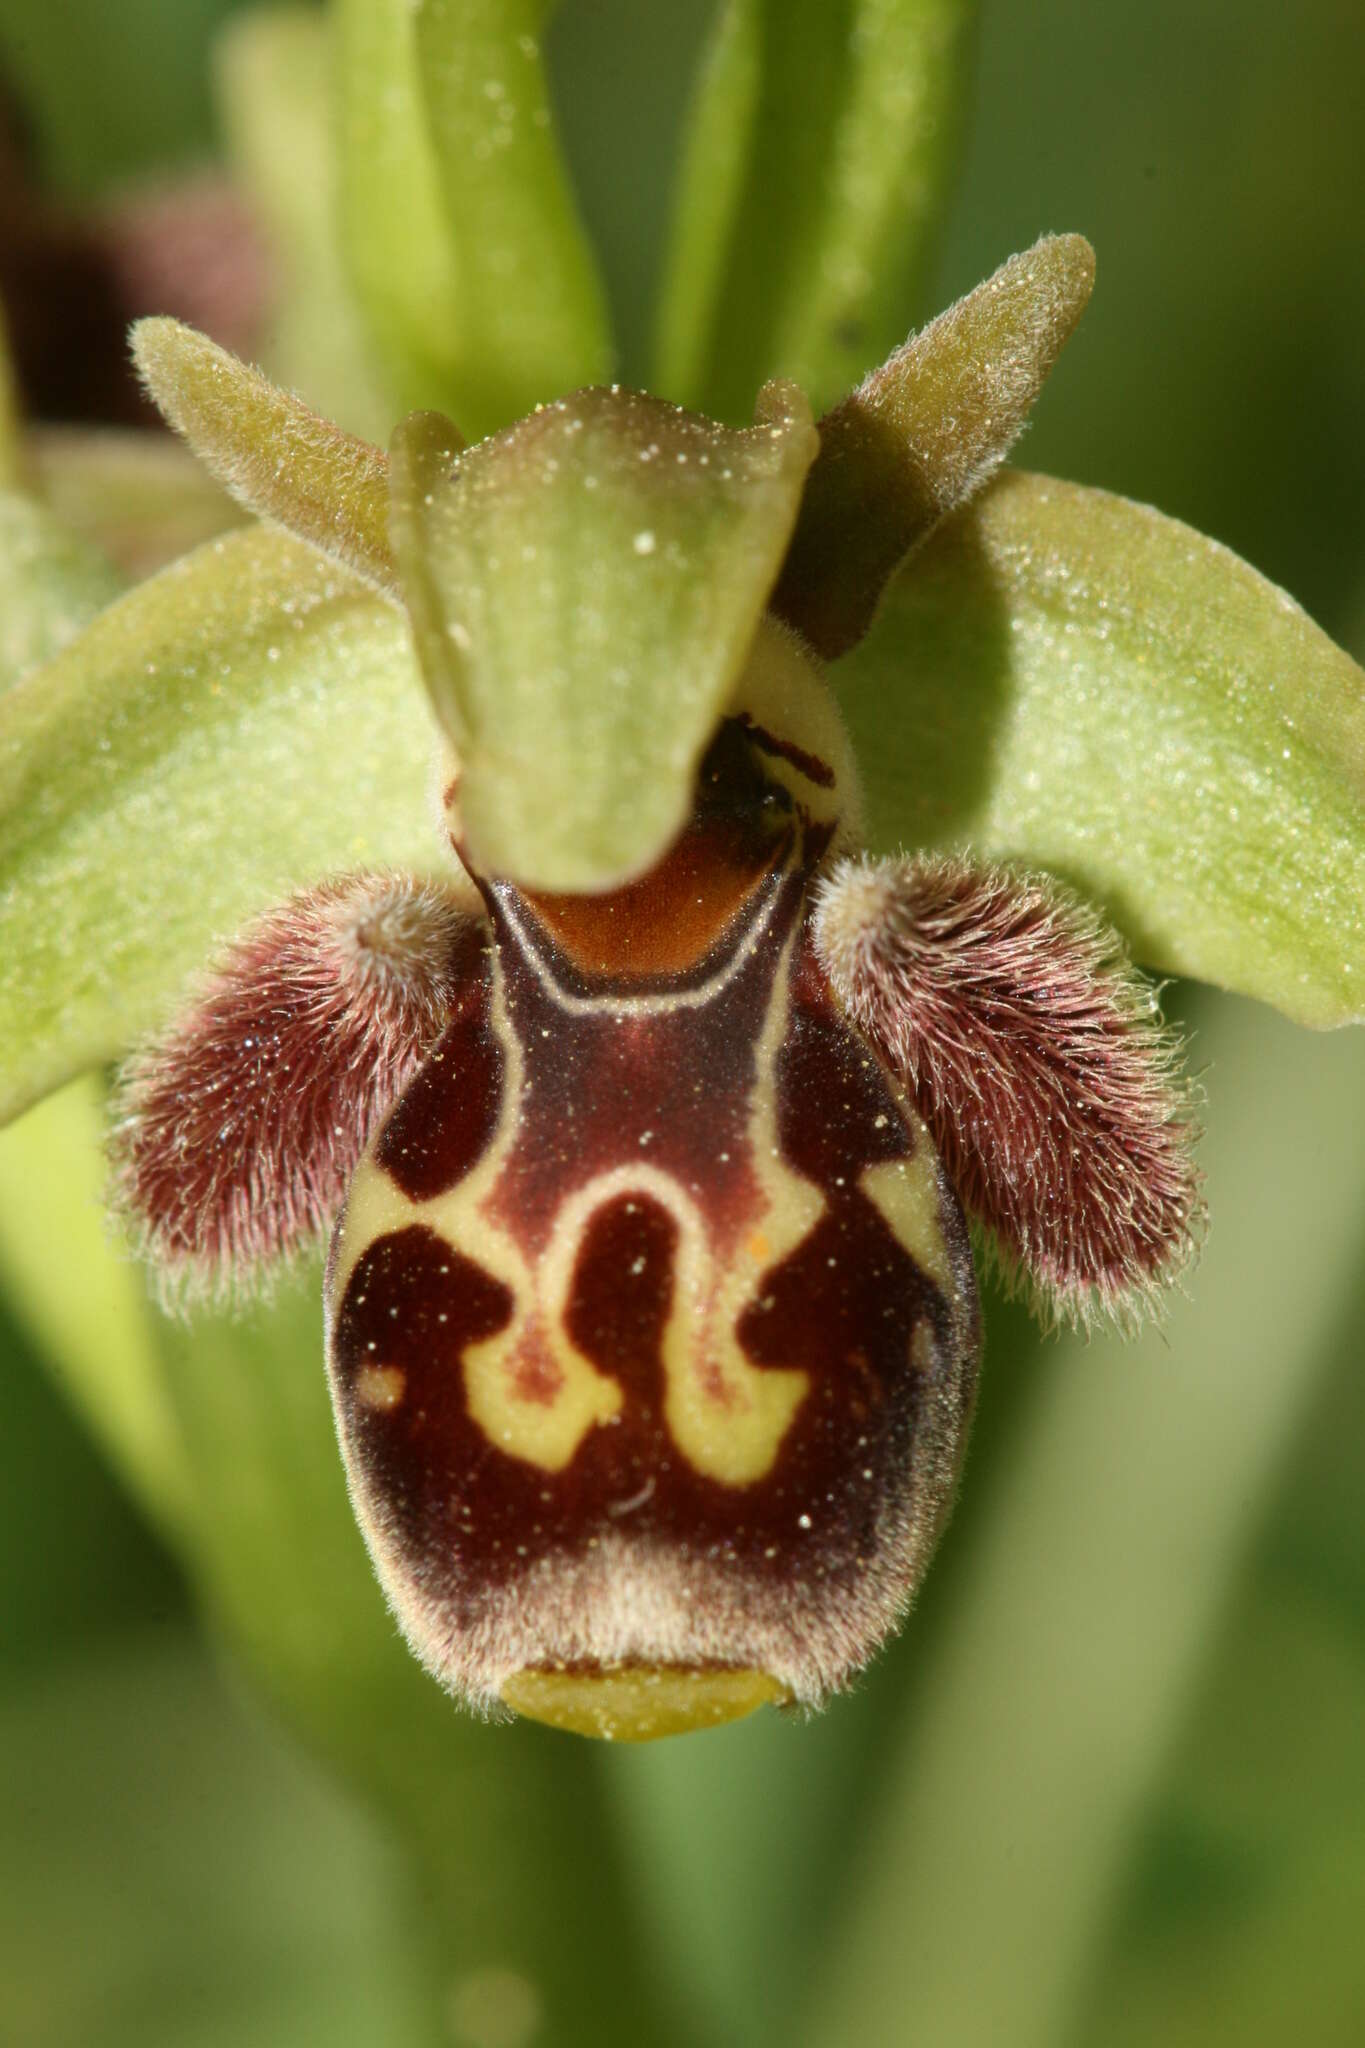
(584,591)
(822,139)
(140,498)
(51,583)
(922,434)
(532,320)
(1061,677)
(273,71)
(275,455)
(248,720)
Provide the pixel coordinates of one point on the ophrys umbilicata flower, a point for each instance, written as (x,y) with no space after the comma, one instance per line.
(652,1322)
(1071,583)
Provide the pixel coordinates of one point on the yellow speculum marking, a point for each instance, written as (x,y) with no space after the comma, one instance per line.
(639,1703)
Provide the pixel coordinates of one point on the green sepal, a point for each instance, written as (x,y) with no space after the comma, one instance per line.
(51,583)
(274,454)
(244,722)
(821,140)
(140,498)
(922,434)
(584,589)
(1061,677)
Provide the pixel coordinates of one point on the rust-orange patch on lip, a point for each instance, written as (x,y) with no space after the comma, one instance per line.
(665,923)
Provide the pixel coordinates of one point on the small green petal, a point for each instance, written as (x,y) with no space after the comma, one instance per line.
(247,721)
(273,74)
(822,138)
(140,498)
(923,433)
(279,458)
(584,591)
(531,314)
(51,583)
(1065,678)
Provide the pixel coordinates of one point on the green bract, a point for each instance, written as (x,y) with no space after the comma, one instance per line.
(274,69)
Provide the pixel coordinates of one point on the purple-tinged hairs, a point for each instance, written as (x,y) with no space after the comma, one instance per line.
(237,1132)
(1038,1058)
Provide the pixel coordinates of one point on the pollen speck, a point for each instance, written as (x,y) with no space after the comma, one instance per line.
(644,542)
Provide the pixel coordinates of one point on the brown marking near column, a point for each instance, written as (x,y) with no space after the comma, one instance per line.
(810,765)
(445,1121)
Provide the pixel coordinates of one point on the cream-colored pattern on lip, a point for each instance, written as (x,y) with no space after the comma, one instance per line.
(905,1192)
(727,1416)
(525,1424)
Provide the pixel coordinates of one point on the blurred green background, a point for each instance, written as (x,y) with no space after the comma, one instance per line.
(1110,1783)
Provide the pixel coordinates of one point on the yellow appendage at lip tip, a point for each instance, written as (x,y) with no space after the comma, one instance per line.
(640,1702)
